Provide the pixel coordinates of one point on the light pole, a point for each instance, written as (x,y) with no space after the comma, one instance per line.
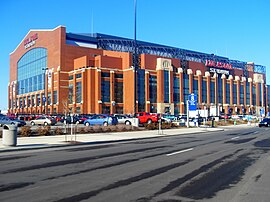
(135,57)
(44,96)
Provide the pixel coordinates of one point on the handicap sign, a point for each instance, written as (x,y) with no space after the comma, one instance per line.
(192,102)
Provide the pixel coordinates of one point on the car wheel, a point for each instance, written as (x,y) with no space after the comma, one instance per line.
(105,124)
(45,123)
(87,124)
(32,123)
(127,123)
(149,121)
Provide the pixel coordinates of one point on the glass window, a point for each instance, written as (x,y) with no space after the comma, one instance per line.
(220,90)
(70,77)
(38,100)
(70,93)
(195,86)
(49,98)
(186,90)
(248,93)
(260,94)
(105,90)
(78,110)
(105,74)
(120,76)
(78,76)
(228,93)
(78,92)
(153,89)
(234,93)
(106,109)
(254,95)
(212,92)
(241,93)
(141,90)
(166,86)
(118,92)
(30,70)
(33,100)
(176,90)
(204,91)
(55,97)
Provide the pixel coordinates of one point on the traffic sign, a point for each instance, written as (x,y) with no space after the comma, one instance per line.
(192,102)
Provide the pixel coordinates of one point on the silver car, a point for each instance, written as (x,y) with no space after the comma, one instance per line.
(6,120)
(43,120)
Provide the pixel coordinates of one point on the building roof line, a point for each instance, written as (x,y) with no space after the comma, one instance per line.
(34,30)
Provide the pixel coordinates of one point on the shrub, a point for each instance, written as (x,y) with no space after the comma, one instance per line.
(58,131)
(42,131)
(25,131)
(97,129)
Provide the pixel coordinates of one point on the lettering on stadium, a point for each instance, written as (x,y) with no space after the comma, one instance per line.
(211,63)
(219,71)
(30,41)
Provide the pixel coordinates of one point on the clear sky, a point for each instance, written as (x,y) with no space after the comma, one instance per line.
(238,29)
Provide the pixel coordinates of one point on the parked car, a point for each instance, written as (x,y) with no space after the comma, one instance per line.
(43,120)
(168,118)
(145,117)
(224,116)
(6,120)
(68,120)
(101,119)
(123,119)
(265,122)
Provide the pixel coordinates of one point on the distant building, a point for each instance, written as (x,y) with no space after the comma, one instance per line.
(52,71)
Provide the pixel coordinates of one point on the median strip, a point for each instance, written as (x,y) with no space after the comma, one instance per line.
(179,152)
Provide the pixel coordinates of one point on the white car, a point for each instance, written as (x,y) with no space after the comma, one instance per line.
(43,121)
(123,119)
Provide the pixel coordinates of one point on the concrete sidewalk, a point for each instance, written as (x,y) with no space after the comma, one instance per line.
(26,143)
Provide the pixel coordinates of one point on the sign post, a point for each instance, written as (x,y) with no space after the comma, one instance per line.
(191,105)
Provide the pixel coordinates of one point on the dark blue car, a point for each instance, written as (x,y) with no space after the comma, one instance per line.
(101,119)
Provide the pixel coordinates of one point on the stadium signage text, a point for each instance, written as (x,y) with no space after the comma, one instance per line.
(211,63)
(30,41)
(219,71)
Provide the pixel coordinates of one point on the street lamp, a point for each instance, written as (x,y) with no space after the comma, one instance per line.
(44,96)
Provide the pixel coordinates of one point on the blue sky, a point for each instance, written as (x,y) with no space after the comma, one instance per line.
(237,29)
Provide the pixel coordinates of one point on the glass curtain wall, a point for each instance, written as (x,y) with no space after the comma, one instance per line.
(31,74)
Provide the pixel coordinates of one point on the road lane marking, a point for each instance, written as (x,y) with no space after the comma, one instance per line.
(179,152)
(234,138)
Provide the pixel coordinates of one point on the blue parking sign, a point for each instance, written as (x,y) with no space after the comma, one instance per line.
(192,102)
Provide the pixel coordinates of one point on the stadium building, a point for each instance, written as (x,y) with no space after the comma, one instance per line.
(52,71)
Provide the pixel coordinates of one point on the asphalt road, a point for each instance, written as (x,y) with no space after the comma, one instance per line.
(232,165)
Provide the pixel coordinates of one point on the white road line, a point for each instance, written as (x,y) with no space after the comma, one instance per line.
(179,152)
(234,138)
